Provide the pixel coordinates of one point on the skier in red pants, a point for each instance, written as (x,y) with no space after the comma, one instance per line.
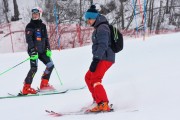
(103,58)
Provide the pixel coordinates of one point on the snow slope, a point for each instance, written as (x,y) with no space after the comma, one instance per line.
(145,77)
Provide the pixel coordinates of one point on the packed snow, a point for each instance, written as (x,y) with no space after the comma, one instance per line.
(143,84)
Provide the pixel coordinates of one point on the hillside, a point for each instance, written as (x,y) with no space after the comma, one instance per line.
(145,78)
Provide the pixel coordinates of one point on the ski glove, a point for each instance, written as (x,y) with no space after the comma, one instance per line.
(48,53)
(33,54)
(94,64)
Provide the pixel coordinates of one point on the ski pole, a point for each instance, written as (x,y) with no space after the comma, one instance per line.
(57,74)
(14,66)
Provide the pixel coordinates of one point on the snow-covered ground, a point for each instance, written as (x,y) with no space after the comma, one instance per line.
(145,77)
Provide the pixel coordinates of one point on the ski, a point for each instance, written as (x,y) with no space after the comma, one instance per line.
(69,89)
(20,95)
(80,112)
(77,88)
(40,93)
(58,114)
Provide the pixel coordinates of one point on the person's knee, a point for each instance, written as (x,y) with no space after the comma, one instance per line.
(96,84)
(50,65)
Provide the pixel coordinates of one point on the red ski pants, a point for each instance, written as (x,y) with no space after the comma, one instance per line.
(94,79)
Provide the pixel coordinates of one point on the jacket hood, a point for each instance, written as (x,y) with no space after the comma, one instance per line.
(99,20)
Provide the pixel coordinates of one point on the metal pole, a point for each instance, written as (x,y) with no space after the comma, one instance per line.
(134,4)
(144,19)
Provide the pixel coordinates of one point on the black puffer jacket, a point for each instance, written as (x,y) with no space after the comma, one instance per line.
(101,41)
(36,36)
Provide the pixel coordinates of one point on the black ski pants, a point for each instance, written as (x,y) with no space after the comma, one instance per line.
(34,66)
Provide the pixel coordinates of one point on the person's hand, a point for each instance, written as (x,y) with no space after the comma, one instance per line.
(33,54)
(48,53)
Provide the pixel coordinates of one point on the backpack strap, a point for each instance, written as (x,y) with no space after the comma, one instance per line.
(106,22)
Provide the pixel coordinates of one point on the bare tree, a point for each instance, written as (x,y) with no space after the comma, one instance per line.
(1,13)
(159,18)
(66,11)
(131,18)
(122,13)
(6,9)
(91,2)
(105,9)
(167,7)
(81,14)
(151,14)
(16,12)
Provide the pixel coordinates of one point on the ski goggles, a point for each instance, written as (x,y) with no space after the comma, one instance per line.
(35,11)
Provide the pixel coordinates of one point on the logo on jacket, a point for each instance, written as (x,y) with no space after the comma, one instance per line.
(38,35)
(28,32)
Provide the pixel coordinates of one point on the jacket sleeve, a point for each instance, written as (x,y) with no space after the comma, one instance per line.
(102,37)
(29,37)
(46,39)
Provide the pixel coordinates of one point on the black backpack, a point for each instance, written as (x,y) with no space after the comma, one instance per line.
(116,38)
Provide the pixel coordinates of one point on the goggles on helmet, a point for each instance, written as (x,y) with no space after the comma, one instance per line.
(35,11)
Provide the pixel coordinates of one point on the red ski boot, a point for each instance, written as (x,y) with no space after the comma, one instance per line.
(45,86)
(103,106)
(28,90)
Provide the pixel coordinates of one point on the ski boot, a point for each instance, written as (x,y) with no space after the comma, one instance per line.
(45,86)
(103,106)
(28,90)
